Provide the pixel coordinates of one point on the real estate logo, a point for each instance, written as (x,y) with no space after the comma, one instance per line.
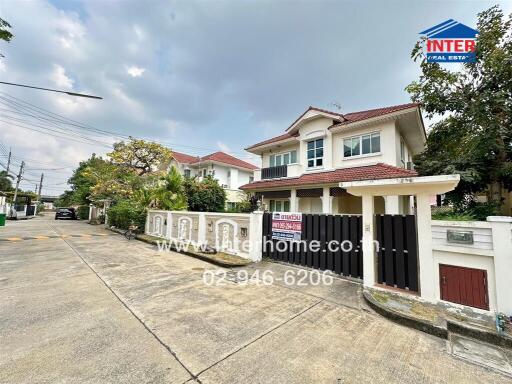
(450,42)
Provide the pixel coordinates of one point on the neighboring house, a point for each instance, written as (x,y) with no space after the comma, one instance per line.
(302,168)
(229,171)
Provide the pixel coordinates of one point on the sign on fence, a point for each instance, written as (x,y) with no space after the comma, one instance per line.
(286,226)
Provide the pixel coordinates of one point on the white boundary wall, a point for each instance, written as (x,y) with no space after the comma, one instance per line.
(491,251)
(238,234)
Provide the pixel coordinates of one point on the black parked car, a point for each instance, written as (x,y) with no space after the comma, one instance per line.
(66,213)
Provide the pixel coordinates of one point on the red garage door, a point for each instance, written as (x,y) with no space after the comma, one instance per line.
(467,286)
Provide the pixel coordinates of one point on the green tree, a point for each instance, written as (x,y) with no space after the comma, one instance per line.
(205,196)
(5,34)
(474,103)
(5,181)
(142,156)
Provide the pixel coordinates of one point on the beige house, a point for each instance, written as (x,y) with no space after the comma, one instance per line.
(228,170)
(302,168)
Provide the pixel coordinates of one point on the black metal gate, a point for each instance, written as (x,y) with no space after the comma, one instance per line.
(338,238)
(31,210)
(398,251)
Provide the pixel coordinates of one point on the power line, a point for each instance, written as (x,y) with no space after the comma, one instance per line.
(53,90)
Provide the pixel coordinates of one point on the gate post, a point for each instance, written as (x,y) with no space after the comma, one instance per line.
(368,237)
(425,257)
(256,235)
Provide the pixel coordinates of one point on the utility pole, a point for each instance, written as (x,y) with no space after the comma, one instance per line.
(40,187)
(18,180)
(9,160)
(35,190)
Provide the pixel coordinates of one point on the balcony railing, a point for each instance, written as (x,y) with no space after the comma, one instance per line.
(274,172)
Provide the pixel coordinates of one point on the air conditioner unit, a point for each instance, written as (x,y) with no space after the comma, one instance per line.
(410,165)
(225,186)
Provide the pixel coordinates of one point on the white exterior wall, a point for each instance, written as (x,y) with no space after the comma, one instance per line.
(388,145)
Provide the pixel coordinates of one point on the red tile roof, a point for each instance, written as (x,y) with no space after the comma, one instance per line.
(183,158)
(364,115)
(224,158)
(347,118)
(274,139)
(368,172)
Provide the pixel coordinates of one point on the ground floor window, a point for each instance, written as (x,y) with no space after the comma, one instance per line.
(279,206)
(230,205)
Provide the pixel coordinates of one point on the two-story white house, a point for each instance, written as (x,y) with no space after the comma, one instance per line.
(230,172)
(302,168)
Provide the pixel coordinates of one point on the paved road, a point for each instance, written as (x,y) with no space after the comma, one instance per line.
(79,305)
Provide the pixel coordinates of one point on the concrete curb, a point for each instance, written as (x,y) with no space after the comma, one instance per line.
(201,257)
(402,319)
(479,334)
(436,330)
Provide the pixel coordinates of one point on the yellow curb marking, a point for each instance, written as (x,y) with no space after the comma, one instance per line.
(41,237)
(101,234)
(14,238)
(85,235)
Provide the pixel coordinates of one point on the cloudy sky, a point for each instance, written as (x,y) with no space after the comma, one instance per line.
(199,76)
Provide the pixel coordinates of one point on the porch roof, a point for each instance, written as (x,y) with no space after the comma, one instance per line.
(367,172)
(429,185)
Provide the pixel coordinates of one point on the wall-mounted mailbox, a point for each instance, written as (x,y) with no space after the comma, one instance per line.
(459,237)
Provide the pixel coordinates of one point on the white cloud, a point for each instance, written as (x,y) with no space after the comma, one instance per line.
(135,71)
(60,79)
(223,147)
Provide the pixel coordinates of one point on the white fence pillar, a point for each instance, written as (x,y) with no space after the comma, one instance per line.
(368,237)
(502,244)
(425,257)
(201,229)
(294,201)
(168,227)
(256,235)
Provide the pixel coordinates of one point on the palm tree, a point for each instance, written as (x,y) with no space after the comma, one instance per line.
(5,181)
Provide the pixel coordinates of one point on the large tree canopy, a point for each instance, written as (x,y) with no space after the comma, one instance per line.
(474,104)
(141,156)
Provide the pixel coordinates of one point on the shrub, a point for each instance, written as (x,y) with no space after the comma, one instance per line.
(83,212)
(125,213)
(205,196)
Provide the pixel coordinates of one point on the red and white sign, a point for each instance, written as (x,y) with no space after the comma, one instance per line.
(286,226)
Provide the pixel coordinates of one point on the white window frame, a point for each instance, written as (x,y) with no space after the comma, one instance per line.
(316,157)
(282,154)
(360,136)
(281,205)
(402,151)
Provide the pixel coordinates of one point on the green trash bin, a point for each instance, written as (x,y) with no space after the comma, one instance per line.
(2,219)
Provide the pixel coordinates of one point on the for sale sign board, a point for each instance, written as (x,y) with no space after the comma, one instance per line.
(286,226)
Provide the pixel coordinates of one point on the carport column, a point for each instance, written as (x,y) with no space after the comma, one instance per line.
(327,201)
(425,256)
(294,201)
(368,238)
(502,243)
(392,205)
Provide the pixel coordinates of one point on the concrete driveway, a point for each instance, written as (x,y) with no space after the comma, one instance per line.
(81,304)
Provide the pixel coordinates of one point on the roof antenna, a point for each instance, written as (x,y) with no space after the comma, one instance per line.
(336,105)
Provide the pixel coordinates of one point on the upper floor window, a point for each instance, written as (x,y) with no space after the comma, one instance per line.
(315,153)
(361,145)
(283,158)
(251,179)
(186,173)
